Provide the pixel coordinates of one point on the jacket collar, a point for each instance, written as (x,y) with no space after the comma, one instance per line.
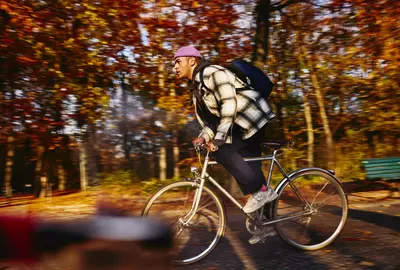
(200,66)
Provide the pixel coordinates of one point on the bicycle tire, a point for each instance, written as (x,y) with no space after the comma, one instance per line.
(170,197)
(305,181)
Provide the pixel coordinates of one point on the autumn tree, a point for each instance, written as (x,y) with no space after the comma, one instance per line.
(54,50)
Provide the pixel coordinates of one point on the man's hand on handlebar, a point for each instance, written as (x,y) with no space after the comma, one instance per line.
(211,147)
(202,142)
(199,141)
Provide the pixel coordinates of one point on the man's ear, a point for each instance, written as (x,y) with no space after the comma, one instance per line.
(192,61)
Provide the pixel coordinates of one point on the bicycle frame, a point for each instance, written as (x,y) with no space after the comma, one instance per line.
(205,176)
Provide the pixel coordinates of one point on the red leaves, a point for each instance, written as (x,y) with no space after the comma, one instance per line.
(42,56)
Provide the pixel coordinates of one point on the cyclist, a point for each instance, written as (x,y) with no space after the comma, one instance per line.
(233,122)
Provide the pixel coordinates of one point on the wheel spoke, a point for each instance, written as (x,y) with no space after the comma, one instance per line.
(319,193)
(205,205)
(329,198)
(294,214)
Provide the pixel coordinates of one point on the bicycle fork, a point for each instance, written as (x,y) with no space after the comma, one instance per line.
(197,196)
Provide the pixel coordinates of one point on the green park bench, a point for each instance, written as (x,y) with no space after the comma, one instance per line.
(382,168)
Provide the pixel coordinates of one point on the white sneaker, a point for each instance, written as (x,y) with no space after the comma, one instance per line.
(258,199)
(267,231)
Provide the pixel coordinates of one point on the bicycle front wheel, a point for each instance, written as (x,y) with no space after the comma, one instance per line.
(196,239)
(312,207)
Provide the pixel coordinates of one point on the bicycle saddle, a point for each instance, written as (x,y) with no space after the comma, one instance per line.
(277,144)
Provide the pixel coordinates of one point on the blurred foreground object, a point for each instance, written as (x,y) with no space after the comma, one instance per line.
(99,242)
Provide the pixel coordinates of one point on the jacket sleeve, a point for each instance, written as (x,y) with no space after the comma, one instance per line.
(225,92)
(206,132)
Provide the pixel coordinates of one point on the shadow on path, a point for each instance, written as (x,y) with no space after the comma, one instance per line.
(369,185)
(380,219)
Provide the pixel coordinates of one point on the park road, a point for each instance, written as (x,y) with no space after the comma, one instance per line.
(370,240)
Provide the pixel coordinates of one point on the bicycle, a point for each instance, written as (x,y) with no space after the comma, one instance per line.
(198,217)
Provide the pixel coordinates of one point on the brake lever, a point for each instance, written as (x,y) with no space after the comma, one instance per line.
(199,147)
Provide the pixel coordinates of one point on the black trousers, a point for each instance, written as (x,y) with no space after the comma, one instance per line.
(248,175)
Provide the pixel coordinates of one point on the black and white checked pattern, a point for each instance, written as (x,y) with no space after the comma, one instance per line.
(245,108)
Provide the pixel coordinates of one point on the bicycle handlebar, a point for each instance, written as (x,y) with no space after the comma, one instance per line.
(201,147)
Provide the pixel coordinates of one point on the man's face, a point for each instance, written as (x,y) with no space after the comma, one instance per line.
(182,67)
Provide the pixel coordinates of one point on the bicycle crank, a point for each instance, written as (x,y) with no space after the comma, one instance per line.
(253,225)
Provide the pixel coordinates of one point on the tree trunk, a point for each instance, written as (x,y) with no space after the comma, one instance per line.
(321,105)
(324,118)
(92,150)
(263,11)
(9,165)
(163,151)
(310,130)
(175,145)
(42,173)
(38,171)
(44,187)
(152,165)
(82,166)
(175,150)
(260,49)
(124,127)
(176,160)
(266,15)
(61,177)
(163,163)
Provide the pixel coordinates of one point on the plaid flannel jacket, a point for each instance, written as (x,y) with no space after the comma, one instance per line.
(245,108)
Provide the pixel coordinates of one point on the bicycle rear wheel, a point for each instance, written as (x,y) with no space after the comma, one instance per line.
(313,207)
(196,240)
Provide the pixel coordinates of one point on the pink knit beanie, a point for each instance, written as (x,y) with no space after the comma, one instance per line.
(187,51)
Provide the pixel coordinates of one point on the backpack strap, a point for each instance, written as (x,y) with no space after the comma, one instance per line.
(201,73)
(241,76)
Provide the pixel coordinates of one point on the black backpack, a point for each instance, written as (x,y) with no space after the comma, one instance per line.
(250,75)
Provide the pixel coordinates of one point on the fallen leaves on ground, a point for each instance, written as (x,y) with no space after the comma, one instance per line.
(365,263)
(74,205)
